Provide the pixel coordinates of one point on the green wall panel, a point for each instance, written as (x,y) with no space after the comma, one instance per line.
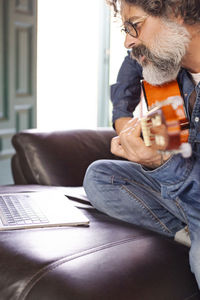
(18,53)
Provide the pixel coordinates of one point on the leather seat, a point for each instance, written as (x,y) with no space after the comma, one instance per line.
(110,259)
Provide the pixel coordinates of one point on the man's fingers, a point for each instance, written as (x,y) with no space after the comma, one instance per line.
(116,147)
(161,136)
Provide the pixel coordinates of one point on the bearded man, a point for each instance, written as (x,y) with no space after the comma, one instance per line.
(161,193)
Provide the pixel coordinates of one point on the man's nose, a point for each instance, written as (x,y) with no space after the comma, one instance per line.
(130,41)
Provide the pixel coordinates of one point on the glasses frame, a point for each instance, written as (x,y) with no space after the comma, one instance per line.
(133,25)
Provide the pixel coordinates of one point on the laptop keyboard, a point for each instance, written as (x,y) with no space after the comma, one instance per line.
(20,211)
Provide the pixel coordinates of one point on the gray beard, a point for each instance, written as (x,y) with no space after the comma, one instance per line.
(163,61)
(155,76)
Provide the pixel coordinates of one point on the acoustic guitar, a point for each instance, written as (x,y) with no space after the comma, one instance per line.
(167,114)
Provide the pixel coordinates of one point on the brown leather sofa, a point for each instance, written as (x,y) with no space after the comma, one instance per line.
(108,260)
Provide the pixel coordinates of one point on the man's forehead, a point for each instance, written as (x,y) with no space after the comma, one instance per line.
(131,12)
(134,18)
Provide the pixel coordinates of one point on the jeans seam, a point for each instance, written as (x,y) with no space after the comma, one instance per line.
(181,210)
(183,213)
(141,185)
(144,206)
(158,195)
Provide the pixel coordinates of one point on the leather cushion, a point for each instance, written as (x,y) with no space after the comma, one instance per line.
(108,260)
(58,158)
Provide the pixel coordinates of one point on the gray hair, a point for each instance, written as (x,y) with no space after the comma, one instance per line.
(189,10)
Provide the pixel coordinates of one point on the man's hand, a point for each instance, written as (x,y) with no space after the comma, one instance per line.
(130,145)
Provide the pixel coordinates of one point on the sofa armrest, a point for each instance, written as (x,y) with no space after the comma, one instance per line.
(58,158)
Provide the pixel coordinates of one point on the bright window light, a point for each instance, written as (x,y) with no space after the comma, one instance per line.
(68,51)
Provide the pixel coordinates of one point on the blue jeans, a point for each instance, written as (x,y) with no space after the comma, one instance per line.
(122,190)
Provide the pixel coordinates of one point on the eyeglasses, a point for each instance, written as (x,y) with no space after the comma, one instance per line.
(132,27)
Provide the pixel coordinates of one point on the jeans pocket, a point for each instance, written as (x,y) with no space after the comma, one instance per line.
(117,180)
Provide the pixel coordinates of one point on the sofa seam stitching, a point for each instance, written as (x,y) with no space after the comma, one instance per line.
(45,270)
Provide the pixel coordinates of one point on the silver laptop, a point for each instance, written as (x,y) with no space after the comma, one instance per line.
(38,209)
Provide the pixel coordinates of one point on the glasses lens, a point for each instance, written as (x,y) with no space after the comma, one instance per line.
(130,29)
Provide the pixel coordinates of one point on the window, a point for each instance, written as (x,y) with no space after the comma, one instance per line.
(69,48)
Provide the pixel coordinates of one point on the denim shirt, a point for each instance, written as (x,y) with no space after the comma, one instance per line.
(179,177)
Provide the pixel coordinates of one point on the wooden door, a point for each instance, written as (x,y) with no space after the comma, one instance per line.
(18,55)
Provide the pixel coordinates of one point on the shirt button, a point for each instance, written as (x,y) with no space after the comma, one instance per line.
(196,119)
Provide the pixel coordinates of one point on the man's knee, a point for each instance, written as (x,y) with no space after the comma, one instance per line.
(94,175)
(93,170)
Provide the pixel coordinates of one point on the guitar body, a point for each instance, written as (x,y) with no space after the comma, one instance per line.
(166,107)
